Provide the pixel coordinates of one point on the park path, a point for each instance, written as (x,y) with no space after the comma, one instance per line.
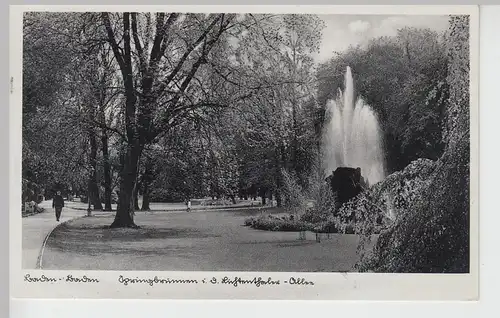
(37,226)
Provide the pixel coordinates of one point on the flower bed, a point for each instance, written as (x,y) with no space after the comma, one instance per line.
(274,223)
(291,224)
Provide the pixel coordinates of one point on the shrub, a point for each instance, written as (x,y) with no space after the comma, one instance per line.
(281,224)
(162,195)
(217,202)
(39,199)
(327,226)
(295,200)
(321,194)
(313,215)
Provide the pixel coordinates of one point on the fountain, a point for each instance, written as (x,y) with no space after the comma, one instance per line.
(352,137)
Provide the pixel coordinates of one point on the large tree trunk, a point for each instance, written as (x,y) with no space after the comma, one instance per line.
(107,172)
(294,144)
(262,194)
(92,184)
(278,199)
(136,197)
(279,178)
(124,214)
(145,199)
(146,181)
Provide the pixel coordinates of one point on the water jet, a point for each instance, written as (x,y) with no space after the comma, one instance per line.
(351,143)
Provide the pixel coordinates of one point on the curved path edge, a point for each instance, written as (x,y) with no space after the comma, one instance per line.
(39,260)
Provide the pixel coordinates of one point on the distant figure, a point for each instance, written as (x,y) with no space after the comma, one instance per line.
(58,204)
(188,203)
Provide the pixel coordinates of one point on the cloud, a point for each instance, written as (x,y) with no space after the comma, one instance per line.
(359,26)
(389,26)
(343,30)
(334,40)
(240,17)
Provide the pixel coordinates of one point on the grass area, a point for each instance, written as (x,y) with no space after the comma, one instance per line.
(198,241)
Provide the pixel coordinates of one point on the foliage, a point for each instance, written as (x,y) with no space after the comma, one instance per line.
(331,225)
(431,234)
(31,192)
(162,195)
(294,195)
(58,79)
(320,192)
(313,216)
(276,133)
(219,202)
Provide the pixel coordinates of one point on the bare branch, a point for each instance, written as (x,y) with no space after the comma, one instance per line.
(137,43)
(112,41)
(160,18)
(188,52)
(171,19)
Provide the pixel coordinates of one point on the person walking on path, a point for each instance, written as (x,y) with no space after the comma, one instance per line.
(58,204)
(188,204)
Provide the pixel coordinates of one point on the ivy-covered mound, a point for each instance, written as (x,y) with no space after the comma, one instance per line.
(377,208)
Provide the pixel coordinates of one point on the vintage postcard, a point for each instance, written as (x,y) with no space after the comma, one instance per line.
(244,152)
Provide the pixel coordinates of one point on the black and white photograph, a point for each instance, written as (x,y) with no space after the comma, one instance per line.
(246,142)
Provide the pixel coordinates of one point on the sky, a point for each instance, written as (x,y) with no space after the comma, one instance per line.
(341,31)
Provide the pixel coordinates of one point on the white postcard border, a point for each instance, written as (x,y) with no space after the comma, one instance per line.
(337,286)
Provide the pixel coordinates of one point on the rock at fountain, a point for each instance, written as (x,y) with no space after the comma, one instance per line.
(347,183)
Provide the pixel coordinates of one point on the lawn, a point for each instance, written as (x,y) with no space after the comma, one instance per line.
(196,241)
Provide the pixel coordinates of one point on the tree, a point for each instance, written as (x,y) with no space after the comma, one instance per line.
(147,179)
(155,87)
(278,56)
(54,150)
